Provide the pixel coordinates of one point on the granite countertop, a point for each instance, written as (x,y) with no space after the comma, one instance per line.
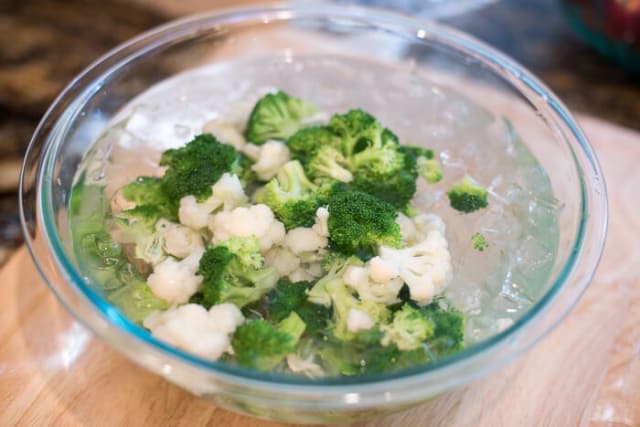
(46,42)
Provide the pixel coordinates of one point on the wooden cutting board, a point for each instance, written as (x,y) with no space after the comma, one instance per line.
(587,372)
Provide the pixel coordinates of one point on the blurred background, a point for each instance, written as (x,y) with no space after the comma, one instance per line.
(587,51)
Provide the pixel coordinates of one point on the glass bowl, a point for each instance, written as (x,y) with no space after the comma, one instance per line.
(449,58)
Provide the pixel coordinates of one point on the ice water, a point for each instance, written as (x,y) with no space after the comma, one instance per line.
(493,287)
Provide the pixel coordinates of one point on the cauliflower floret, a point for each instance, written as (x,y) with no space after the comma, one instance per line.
(179,241)
(301,274)
(309,248)
(300,240)
(321,226)
(304,366)
(194,214)
(384,291)
(282,259)
(359,321)
(176,281)
(226,192)
(192,328)
(416,229)
(255,220)
(269,158)
(226,132)
(380,271)
(425,267)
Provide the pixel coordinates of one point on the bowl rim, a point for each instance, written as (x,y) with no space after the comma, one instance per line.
(118,57)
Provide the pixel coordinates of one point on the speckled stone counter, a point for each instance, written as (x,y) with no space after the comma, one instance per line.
(44,43)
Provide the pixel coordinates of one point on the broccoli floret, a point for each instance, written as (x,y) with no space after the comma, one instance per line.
(293,325)
(467,195)
(328,162)
(306,142)
(361,355)
(450,326)
(260,345)
(135,299)
(148,194)
(479,242)
(397,190)
(277,116)
(291,196)
(359,222)
(289,297)
(366,144)
(232,272)
(331,290)
(409,329)
(424,162)
(137,226)
(194,168)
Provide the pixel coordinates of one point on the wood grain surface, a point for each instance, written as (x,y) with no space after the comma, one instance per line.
(587,372)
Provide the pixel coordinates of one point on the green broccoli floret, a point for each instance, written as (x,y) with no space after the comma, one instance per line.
(232,272)
(291,196)
(362,355)
(147,193)
(359,222)
(277,116)
(450,326)
(397,190)
(366,145)
(194,168)
(306,142)
(367,352)
(332,291)
(260,345)
(479,242)
(328,162)
(137,226)
(429,169)
(467,195)
(135,299)
(409,329)
(289,297)
(425,164)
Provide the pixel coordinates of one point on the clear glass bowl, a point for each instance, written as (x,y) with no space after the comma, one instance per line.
(487,77)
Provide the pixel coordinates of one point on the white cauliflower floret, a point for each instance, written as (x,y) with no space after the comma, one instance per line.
(359,321)
(179,241)
(304,366)
(192,328)
(380,271)
(300,240)
(416,229)
(226,192)
(386,292)
(283,260)
(225,132)
(269,158)
(255,220)
(425,267)
(300,274)
(229,192)
(321,226)
(176,281)
(194,214)
(309,248)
